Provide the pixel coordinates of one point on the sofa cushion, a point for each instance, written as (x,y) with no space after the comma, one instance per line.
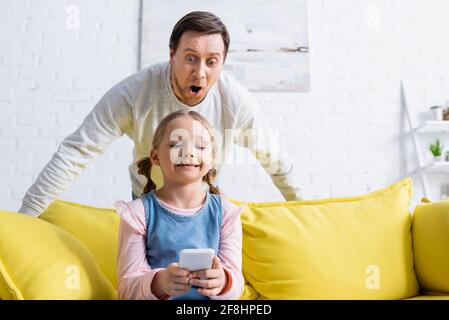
(96,228)
(41,261)
(341,248)
(431,246)
(429,297)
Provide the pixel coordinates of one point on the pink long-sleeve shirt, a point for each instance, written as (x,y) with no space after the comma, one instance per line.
(134,272)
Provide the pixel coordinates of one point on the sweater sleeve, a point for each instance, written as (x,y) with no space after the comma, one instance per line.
(264,143)
(230,249)
(110,118)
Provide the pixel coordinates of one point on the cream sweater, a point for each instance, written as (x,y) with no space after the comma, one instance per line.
(135,106)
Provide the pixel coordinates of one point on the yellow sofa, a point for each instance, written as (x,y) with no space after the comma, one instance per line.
(362,247)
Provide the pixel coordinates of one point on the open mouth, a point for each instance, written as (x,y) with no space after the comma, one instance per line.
(195,91)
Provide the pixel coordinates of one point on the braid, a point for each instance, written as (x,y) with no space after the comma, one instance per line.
(209,178)
(144,166)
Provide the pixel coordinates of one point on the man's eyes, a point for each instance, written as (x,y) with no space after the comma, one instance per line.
(210,62)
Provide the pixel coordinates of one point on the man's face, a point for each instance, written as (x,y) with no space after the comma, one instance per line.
(196,65)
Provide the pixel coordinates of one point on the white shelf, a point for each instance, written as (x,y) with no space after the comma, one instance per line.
(434,126)
(438,167)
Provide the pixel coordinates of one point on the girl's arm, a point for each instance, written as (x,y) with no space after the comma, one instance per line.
(230,250)
(134,274)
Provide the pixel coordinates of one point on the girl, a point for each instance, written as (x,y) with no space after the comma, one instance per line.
(181,214)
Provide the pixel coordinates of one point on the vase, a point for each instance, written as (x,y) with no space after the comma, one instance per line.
(437,113)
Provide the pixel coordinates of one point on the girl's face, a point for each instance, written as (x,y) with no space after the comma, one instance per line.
(185,151)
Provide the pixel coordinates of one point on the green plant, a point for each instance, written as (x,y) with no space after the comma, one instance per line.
(436,148)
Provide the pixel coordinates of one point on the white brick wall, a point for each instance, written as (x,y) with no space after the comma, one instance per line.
(50,78)
(346,135)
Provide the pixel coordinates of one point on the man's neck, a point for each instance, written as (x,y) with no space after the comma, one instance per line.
(182,196)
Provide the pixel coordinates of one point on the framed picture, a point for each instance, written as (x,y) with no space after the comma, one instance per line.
(269,48)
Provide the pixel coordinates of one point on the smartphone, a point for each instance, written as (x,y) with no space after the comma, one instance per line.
(196,259)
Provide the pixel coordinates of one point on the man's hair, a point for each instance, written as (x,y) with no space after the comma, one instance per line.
(202,22)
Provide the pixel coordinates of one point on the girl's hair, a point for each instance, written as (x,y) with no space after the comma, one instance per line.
(145,163)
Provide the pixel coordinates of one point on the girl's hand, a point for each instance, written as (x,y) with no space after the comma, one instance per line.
(172,281)
(212,281)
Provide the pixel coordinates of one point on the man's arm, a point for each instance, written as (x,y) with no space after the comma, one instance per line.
(109,119)
(265,144)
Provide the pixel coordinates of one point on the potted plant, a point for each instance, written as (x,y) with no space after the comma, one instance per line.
(437,113)
(436,148)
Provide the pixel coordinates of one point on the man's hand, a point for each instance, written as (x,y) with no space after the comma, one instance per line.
(212,281)
(29,211)
(172,280)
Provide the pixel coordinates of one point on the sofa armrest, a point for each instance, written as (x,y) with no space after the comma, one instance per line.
(430,230)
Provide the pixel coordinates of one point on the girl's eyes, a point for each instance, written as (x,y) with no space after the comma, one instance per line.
(177,145)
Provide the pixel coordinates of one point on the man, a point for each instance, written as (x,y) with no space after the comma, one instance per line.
(192,79)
